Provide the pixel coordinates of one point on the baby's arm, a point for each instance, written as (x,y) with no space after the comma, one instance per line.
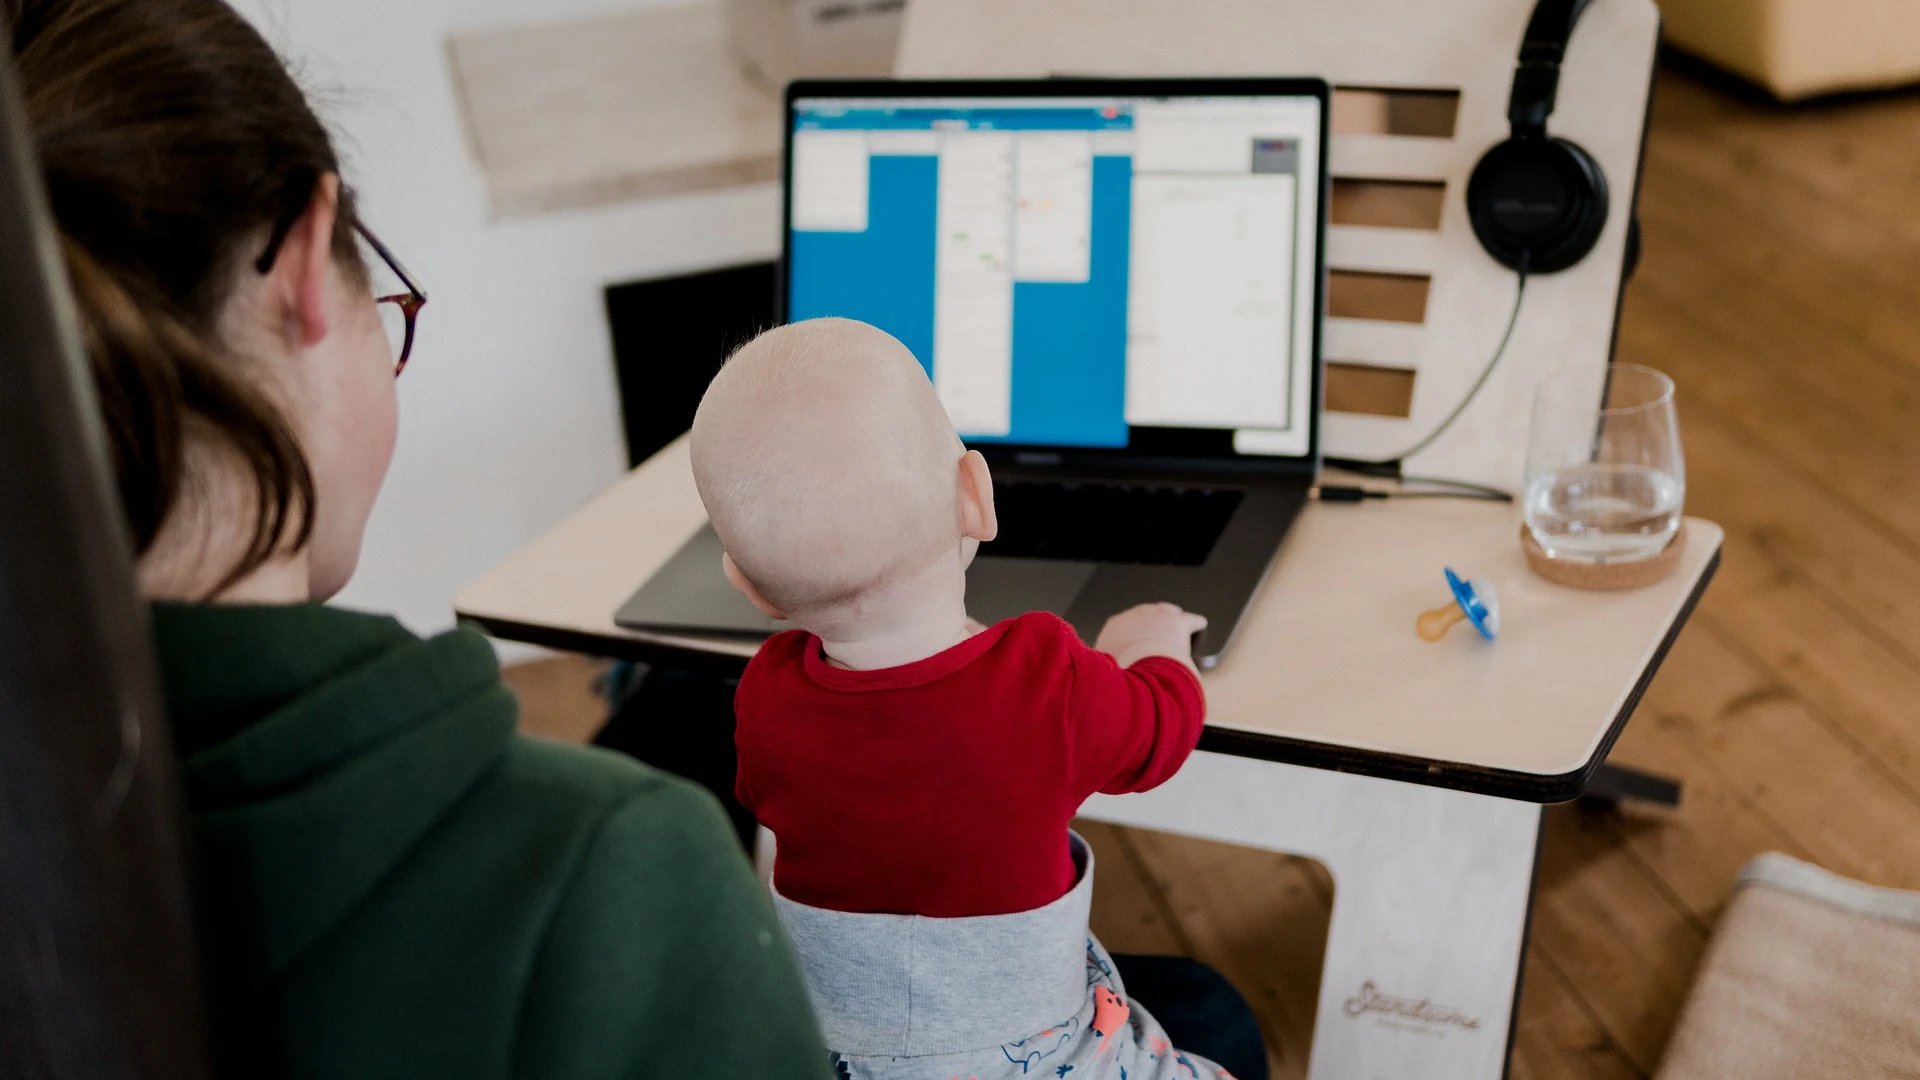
(1135,718)
(1151,630)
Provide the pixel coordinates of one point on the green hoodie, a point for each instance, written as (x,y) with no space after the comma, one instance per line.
(396,884)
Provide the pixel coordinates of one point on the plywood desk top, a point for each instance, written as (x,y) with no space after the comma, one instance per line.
(1326,669)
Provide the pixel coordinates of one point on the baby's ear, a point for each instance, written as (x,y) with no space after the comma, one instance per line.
(747,589)
(974,493)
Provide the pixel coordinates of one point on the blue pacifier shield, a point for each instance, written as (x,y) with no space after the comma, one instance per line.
(1482,610)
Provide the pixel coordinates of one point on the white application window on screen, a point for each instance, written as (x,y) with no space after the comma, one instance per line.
(973,281)
(1211,317)
(830,181)
(1221,280)
(1053,206)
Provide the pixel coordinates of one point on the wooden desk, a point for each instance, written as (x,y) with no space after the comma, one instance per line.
(1326,670)
(1413,771)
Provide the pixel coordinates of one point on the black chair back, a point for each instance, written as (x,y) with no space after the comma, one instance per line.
(99,969)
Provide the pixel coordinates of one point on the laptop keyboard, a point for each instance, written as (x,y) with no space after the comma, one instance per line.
(1115,523)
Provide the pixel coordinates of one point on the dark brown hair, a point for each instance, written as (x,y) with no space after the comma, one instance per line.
(175,144)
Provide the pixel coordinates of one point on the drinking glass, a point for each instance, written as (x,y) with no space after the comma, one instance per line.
(1606,478)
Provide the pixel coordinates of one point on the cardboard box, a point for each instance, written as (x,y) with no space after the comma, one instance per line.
(783,40)
(632,105)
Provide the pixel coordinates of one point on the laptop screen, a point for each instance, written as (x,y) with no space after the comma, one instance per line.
(1094,271)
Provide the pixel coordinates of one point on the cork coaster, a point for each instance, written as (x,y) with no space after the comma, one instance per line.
(1604,576)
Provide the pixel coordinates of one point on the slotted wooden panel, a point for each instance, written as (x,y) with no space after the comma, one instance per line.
(1387,204)
(1368,390)
(1361,294)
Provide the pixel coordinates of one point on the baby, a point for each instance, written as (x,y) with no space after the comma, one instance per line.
(917,770)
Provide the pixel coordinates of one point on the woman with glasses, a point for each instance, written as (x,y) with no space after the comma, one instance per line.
(394,883)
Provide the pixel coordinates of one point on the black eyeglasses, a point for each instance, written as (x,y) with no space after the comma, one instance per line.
(407,303)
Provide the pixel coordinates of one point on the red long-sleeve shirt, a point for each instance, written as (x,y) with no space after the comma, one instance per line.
(944,787)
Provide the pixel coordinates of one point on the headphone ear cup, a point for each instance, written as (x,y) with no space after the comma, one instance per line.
(1537,202)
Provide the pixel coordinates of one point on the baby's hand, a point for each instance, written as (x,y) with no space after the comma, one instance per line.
(1151,630)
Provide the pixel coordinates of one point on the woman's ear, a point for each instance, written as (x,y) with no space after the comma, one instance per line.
(298,278)
(746,588)
(975,495)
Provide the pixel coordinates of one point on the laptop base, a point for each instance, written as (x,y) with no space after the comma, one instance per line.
(690,594)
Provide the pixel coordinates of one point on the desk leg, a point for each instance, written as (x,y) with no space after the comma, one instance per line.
(1432,891)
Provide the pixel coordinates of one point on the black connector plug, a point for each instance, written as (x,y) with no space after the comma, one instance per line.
(1345,494)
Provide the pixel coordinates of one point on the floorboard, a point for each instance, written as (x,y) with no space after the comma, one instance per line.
(1624,942)
(1557,1036)
(559,696)
(1260,918)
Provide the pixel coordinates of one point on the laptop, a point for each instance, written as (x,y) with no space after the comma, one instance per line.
(1116,287)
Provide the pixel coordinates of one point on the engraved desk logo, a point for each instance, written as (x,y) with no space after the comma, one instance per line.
(1421,1010)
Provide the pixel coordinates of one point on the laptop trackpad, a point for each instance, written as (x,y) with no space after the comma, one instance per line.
(1000,588)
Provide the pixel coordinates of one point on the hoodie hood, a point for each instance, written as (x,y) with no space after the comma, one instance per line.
(318,746)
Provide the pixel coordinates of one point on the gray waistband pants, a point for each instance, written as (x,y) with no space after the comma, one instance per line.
(905,997)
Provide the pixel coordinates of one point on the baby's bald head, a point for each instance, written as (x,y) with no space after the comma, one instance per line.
(827,463)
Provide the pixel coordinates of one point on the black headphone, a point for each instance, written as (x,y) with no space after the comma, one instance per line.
(1538,203)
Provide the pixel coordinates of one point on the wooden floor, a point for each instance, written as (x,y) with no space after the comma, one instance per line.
(1781,289)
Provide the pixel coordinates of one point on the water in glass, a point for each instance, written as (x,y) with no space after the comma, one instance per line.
(1604,513)
(1606,478)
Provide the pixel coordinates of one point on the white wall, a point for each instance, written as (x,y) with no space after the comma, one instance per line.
(509,417)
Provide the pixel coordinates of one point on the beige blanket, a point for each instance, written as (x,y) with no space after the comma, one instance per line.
(1800,48)
(1809,975)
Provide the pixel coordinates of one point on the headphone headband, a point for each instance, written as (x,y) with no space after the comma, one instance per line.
(1538,203)
(1536,79)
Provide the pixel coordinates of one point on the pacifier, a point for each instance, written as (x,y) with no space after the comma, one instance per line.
(1473,602)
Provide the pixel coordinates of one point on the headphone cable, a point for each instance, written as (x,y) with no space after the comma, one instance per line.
(1513,320)
(1351,493)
